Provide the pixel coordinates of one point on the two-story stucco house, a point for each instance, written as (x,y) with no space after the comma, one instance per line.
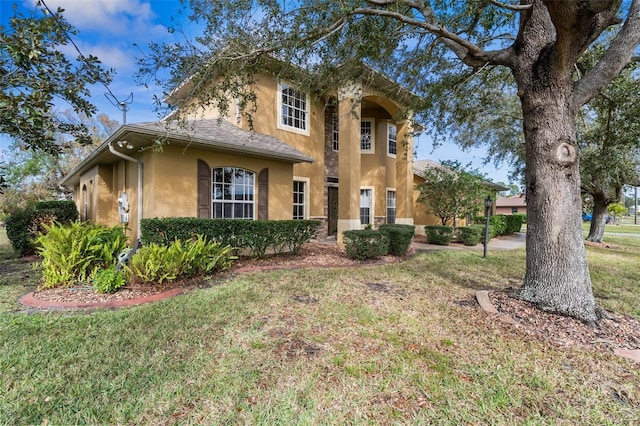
(340,158)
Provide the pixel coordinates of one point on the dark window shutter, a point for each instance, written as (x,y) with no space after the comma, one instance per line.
(204,190)
(263,194)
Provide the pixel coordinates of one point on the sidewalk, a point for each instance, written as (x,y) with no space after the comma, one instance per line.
(504,242)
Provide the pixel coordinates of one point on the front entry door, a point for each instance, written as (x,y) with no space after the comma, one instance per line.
(333,211)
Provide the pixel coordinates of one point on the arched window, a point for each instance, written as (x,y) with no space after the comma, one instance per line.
(233,193)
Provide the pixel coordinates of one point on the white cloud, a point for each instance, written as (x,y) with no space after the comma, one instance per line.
(120,18)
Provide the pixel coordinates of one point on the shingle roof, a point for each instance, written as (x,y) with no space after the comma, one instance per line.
(211,134)
(515,201)
(224,135)
(419,166)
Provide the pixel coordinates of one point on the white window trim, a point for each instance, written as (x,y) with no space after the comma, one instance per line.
(372,216)
(387,137)
(283,126)
(307,183)
(255,190)
(386,202)
(335,119)
(373,136)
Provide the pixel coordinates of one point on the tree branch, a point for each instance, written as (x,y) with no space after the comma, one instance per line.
(514,7)
(465,50)
(617,56)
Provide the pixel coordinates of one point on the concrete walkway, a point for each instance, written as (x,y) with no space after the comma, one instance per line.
(504,242)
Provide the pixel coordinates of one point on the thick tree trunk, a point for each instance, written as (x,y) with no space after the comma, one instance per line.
(598,219)
(557,276)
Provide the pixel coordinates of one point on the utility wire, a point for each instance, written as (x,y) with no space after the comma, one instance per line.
(121,105)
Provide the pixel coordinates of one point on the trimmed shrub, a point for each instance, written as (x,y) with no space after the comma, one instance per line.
(365,244)
(400,237)
(74,253)
(470,235)
(480,230)
(514,223)
(18,227)
(254,236)
(108,280)
(155,263)
(499,224)
(24,226)
(63,211)
(438,234)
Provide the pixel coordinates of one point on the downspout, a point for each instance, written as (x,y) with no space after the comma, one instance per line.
(126,157)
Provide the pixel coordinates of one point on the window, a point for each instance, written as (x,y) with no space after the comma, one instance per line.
(366,201)
(233,193)
(298,199)
(391,206)
(391,139)
(85,204)
(514,210)
(294,109)
(366,136)
(335,135)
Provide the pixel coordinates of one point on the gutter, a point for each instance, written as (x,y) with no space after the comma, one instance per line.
(139,163)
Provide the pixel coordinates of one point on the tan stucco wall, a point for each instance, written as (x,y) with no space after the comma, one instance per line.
(171,181)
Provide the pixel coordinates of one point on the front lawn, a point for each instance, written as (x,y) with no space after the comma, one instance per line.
(401,343)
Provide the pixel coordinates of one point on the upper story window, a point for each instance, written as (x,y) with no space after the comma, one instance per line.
(367,136)
(335,133)
(293,112)
(392,132)
(233,193)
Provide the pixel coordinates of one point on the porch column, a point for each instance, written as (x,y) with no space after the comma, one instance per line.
(349,112)
(404,173)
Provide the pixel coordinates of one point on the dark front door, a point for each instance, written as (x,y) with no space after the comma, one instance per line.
(333,211)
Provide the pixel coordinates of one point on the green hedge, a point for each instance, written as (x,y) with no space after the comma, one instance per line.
(470,235)
(254,236)
(365,244)
(499,224)
(480,230)
(514,223)
(64,211)
(24,226)
(400,237)
(440,235)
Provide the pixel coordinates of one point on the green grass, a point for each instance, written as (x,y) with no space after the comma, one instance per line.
(626,226)
(395,344)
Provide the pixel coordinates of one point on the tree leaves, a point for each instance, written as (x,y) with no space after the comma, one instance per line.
(34,72)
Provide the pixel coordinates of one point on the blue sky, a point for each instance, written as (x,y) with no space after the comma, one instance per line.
(111,29)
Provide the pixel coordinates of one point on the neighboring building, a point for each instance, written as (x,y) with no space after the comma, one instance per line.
(421,217)
(338,157)
(511,205)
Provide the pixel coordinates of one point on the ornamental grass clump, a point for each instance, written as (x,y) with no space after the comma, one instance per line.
(72,254)
(108,280)
(156,263)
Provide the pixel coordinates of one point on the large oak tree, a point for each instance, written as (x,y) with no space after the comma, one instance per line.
(35,73)
(440,50)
